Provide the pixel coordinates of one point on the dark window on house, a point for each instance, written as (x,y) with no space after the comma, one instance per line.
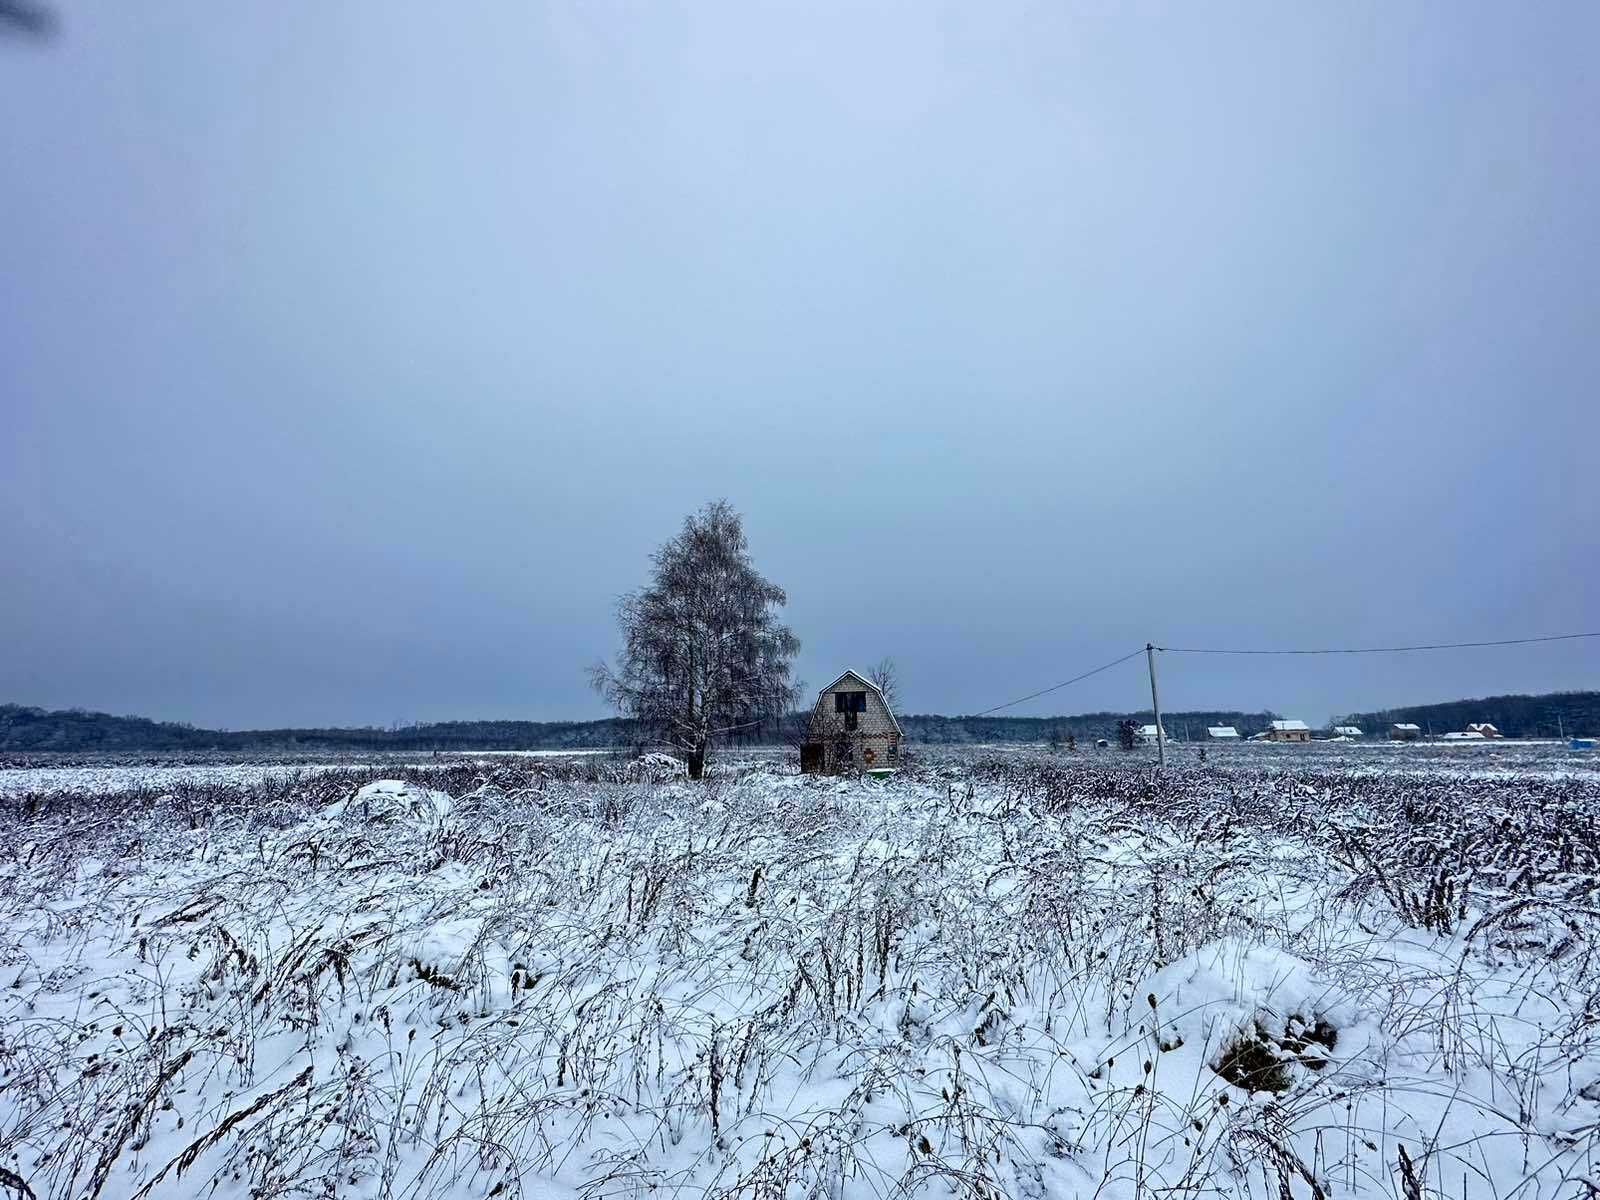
(894,750)
(852,705)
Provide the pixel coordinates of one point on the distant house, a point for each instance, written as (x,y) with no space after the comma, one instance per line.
(1147,735)
(1404,732)
(1348,731)
(1484,728)
(1470,735)
(851,729)
(1222,733)
(1289,731)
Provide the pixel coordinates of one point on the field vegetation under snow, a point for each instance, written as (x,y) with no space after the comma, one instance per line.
(995,975)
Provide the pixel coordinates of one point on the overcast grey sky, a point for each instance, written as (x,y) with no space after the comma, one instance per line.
(354,357)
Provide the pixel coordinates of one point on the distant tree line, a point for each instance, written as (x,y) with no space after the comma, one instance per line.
(35,729)
(23,729)
(1544,716)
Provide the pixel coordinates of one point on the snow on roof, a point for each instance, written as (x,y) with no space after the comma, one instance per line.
(1482,727)
(1408,725)
(1470,735)
(1347,731)
(1290,726)
(856,675)
(1222,731)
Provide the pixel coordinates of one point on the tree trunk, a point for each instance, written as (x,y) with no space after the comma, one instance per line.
(697,761)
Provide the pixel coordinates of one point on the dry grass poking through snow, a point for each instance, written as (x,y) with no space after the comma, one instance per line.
(994,976)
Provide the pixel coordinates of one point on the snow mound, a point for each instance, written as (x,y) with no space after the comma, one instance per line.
(438,952)
(657,768)
(392,801)
(1252,1013)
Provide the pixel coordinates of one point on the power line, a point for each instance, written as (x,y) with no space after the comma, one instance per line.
(1057,687)
(1556,637)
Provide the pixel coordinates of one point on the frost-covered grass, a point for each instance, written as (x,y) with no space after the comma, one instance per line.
(996,975)
(93,779)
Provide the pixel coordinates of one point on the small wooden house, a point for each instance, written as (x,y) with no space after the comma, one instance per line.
(1405,731)
(1346,731)
(851,729)
(1222,733)
(1289,731)
(1484,729)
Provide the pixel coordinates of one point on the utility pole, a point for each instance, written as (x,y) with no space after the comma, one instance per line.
(1155,704)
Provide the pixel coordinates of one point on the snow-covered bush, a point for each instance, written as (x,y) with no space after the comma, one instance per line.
(656,767)
(390,801)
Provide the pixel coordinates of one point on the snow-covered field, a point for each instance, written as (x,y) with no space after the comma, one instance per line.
(999,974)
(91,778)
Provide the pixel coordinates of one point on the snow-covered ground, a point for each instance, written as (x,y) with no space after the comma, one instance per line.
(994,975)
(99,779)
(545,753)
(90,777)
(93,779)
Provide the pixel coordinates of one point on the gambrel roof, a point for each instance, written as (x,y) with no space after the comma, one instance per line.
(871,687)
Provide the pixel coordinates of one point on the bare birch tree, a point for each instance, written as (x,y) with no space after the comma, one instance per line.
(704,653)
